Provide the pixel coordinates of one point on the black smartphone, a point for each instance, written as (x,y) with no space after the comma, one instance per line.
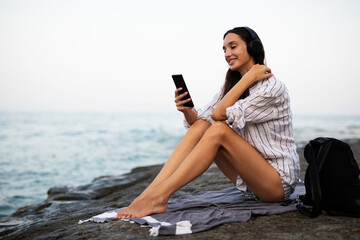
(180,83)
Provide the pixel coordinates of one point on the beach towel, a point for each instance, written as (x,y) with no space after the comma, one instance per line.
(200,212)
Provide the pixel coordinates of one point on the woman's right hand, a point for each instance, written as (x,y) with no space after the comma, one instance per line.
(180,103)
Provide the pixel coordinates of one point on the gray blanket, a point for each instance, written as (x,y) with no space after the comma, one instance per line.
(196,213)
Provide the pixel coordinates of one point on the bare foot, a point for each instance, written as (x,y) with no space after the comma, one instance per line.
(144,206)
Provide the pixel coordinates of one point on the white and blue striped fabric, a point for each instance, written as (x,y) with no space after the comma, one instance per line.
(196,213)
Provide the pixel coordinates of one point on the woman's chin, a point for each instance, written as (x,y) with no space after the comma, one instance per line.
(233,68)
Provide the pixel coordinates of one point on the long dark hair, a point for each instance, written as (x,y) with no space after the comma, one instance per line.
(233,77)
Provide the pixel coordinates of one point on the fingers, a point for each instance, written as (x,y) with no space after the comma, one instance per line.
(177,91)
(179,97)
(261,71)
(262,68)
(180,105)
(179,102)
(269,74)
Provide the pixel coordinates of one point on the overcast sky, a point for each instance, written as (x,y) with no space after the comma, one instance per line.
(118,56)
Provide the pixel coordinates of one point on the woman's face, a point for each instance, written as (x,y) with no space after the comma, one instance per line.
(236,54)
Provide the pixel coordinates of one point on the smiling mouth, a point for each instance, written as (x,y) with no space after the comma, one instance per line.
(231,61)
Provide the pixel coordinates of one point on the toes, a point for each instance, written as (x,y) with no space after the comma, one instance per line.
(122,215)
(125,213)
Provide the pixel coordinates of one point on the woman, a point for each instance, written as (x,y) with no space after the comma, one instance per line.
(246,130)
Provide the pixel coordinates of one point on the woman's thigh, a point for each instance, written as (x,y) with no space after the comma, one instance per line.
(225,166)
(256,172)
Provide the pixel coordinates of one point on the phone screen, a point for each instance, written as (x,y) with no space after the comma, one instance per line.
(180,83)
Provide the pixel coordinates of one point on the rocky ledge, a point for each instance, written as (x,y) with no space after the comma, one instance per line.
(57,217)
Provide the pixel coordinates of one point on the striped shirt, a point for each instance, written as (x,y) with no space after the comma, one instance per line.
(264,120)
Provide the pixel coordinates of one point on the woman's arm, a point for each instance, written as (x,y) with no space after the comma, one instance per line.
(256,73)
(190,116)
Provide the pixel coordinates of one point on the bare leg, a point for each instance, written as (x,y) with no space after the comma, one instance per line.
(225,166)
(261,177)
(187,144)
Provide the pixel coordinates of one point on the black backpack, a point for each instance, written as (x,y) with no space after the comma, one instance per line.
(331,179)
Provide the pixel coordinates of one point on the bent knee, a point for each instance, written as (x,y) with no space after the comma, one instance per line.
(199,127)
(217,130)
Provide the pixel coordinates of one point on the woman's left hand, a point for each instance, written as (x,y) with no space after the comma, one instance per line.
(258,72)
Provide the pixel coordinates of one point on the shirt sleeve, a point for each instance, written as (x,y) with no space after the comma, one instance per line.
(259,106)
(205,112)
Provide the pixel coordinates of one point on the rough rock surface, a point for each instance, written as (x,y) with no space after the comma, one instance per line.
(57,216)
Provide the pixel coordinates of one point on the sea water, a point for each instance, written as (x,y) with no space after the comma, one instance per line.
(39,150)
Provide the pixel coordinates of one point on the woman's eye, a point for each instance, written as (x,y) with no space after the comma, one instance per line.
(230,47)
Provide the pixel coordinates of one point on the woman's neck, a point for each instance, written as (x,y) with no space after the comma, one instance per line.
(247,67)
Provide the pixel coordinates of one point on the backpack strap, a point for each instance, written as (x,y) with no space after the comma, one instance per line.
(325,145)
(315,165)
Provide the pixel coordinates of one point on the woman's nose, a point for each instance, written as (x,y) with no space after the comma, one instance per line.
(227,53)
